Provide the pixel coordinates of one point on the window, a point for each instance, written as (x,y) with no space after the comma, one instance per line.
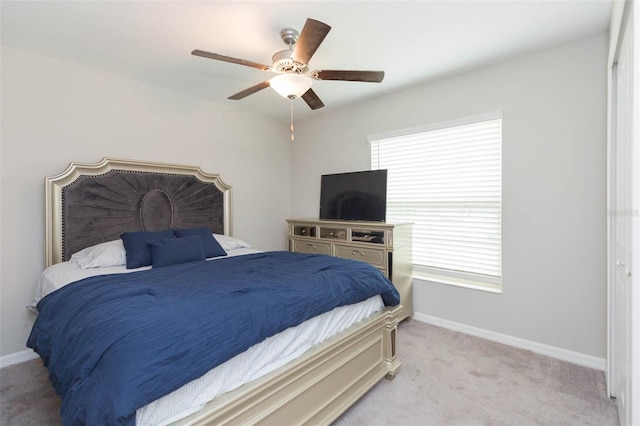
(447,180)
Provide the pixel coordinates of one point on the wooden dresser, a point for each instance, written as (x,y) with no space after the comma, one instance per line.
(386,246)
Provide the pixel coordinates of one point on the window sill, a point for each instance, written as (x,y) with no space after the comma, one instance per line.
(458,282)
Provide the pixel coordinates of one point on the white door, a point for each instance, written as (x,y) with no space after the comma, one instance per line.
(621,221)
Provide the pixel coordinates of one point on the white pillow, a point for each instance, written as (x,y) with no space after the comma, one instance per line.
(111,253)
(230,243)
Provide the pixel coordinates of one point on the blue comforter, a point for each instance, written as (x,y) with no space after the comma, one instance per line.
(114,343)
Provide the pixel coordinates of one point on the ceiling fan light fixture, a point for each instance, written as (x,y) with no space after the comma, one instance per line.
(291,85)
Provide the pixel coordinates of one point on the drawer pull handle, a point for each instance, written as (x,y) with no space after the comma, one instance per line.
(311,246)
(357,251)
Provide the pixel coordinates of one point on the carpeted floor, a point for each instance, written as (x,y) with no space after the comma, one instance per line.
(446,378)
(449,378)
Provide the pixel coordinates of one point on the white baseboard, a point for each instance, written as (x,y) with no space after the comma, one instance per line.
(17,357)
(539,348)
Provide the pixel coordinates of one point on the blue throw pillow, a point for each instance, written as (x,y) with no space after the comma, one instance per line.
(137,246)
(171,251)
(212,248)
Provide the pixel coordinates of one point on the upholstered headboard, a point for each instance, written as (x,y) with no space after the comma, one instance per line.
(92,203)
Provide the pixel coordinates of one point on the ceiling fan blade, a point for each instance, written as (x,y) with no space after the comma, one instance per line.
(312,99)
(366,76)
(250,91)
(229,59)
(309,40)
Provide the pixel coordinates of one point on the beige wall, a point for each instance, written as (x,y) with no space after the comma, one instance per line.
(55,112)
(554,174)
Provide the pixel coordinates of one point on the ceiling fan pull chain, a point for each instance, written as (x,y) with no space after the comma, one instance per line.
(291,102)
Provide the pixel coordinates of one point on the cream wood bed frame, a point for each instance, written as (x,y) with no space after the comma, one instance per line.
(313,389)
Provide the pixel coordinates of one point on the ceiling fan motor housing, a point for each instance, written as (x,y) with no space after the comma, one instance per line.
(283,62)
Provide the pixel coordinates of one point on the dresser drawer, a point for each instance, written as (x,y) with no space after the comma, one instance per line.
(373,256)
(311,247)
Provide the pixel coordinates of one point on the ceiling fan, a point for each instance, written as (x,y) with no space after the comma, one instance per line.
(291,65)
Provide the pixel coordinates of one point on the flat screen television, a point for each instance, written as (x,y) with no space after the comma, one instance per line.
(354,196)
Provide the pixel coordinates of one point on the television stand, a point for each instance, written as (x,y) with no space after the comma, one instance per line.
(386,246)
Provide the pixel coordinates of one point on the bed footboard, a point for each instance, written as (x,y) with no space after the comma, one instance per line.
(316,388)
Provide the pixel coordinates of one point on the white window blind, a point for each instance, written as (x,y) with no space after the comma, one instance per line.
(447,181)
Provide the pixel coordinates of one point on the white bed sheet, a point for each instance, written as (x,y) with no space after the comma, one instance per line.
(255,362)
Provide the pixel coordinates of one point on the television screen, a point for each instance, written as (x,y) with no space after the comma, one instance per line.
(354,196)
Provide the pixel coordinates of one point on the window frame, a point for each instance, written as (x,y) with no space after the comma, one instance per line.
(463,279)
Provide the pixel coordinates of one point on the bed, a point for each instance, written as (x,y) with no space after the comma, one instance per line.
(91,205)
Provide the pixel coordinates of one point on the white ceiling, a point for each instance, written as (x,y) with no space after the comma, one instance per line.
(412,41)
